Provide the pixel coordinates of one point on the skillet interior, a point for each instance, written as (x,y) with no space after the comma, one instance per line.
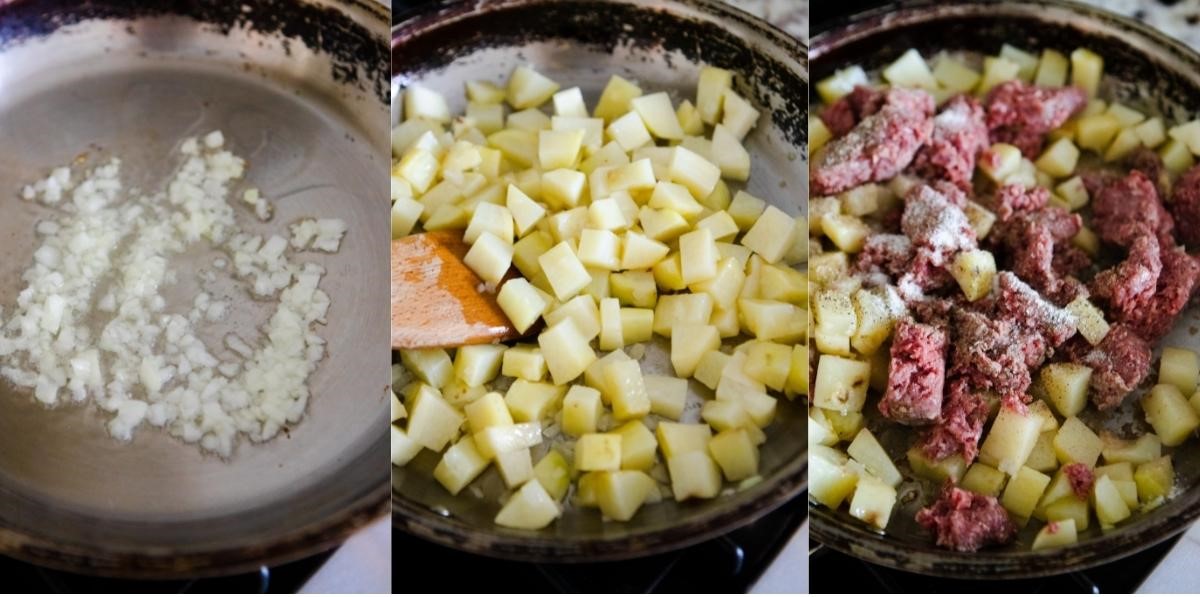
(1143,68)
(662,46)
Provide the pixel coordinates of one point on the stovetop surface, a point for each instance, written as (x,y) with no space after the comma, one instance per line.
(727,564)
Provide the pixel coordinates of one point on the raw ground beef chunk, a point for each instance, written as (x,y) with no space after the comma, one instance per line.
(960,425)
(1175,286)
(1129,286)
(916,375)
(1080,476)
(1125,208)
(1185,206)
(959,134)
(1119,363)
(966,521)
(933,221)
(1150,163)
(841,116)
(886,253)
(879,147)
(1036,237)
(1022,305)
(987,353)
(1021,114)
(1012,199)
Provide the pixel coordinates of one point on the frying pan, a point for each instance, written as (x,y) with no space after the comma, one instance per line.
(300,90)
(661,45)
(1144,69)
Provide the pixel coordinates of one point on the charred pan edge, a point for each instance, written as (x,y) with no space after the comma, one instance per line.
(358,55)
(1166,72)
(433,37)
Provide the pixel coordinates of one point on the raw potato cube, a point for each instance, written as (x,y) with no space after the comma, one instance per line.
(484,92)
(638,446)
(582,409)
(628,389)
(637,325)
(459,465)
(583,311)
(694,172)
(404,449)
(598,452)
(1089,319)
(526,212)
(723,414)
(405,212)
(1151,133)
(694,474)
(1179,367)
(1056,533)
(600,249)
(873,501)
(658,115)
(1073,192)
(735,453)
(524,361)
(874,318)
(1087,241)
(668,395)
(528,88)
(675,197)
(432,422)
(507,438)
(1142,450)
(530,508)
(1168,412)
(830,477)
(1121,471)
(848,233)
(611,333)
(681,309)
(1095,132)
(995,72)
(606,214)
(974,271)
(1125,142)
(553,472)
(1066,386)
(563,188)
(841,384)
(689,342)
(521,302)
(532,401)
(662,224)
(569,102)
(422,102)
(1087,68)
(680,438)
(531,120)
(769,363)
(1027,62)
(566,273)
(710,91)
(490,257)
(1059,159)
(983,479)
(527,251)
(1176,157)
(635,289)
(952,74)
(739,116)
(1051,70)
(641,252)
(980,218)
(1110,506)
(866,450)
(1075,442)
(725,286)
(689,118)
(1000,161)
(841,83)
(1023,492)
(710,368)
(1154,479)
(1010,440)
(629,131)
(722,225)
(478,364)
(619,494)
(398,410)
(615,99)
(951,467)
(559,149)
(1188,134)
(729,154)
(515,467)
(517,145)
(430,365)
(798,378)
(771,235)
(910,70)
(566,351)
(489,410)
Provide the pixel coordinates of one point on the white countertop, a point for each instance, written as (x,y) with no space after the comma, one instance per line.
(361,565)
(789,572)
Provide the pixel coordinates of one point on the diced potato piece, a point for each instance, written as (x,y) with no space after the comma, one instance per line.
(698,256)
(637,325)
(831,480)
(668,395)
(507,438)
(1087,241)
(1056,533)
(515,467)
(619,494)
(1067,508)
(641,252)
(841,384)
(847,425)
(689,342)
(1075,442)
(847,232)
(528,88)
(658,115)
(521,302)
(875,320)
(1027,63)
(554,474)
(424,103)
(995,72)
(532,401)
(1176,157)
(484,92)
(710,368)
(531,120)
(598,452)
(490,257)
(635,289)
(694,474)
(559,149)
(638,446)
(430,365)
(1154,479)
(738,116)
(723,414)
(952,74)
(735,453)
(490,410)
(566,273)
(629,399)
(1010,440)
(910,70)
(1073,192)
(1095,132)
(530,508)
(629,131)
(951,467)
(1168,412)
(404,449)
(518,146)
(1125,142)
(873,501)
(694,172)
(841,83)
(1023,492)
(1042,458)
(983,479)
(1121,471)
(689,118)
(769,363)
(569,102)
(1151,133)
(582,410)
(1087,68)
(710,91)
(1066,386)
(1059,159)
(1179,367)
(980,219)
(798,378)
(681,309)
(1000,161)
(1051,70)
(1145,448)
(432,422)
(1089,319)
(974,271)
(1110,506)
(583,311)
(771,235)
(867,451)
(566,351)
(818,134)
(680,438)
(616,97)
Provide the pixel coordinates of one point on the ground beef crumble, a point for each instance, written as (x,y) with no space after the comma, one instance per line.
(966,521)
(1185,206)
(877,148)
(1081,477)
(1021,114)
(915,375)
(959,134)
(1125,208)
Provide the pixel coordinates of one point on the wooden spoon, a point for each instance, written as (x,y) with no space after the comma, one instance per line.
(437,301)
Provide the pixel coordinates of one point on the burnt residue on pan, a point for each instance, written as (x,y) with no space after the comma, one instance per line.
(608,25)
(357,54)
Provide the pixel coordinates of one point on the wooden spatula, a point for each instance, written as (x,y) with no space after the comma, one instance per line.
(437,301)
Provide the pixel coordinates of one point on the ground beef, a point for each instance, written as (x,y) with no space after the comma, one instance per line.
(879,147)
(1014,198)
(966,521)
(1150,163)
(841,116)
(1069,261)
(926,273)
(933,221)
(988,352)
(960,425)
(1185,206)
(1125,208)
(1119,363)
(886,253)
(1129,286)
(1080,477)
(915,375)
(1021,114)
(1033,239)
(1022,305)
(959,134)
(1175,286)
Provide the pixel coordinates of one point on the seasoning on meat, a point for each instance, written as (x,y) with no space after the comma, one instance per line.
(1081,477)
(887,253)
(986,354)
(1022,305)
(1185,206)
(916,375)
(1129,286)
(1175,287)
(960,426)
(841,116)
(966,521)
(959,134)
(1119,363)
(1125,208)
(1014,198)
(879,147)
(1021,114)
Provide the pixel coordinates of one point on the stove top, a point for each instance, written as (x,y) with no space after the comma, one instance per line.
(727,564)
(20,577)
(841,573)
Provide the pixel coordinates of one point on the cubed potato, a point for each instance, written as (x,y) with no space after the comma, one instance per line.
(1010,440)
(1145,448)
(598,452)
(420,102)
(841,384)
(725,286)
(559,149)
(697,256)
(533,401)
(594,377)
(398,410)
(1095,132)
(1000,161)
(1087,241)
(952,74)
(1151,133)
(404,449)
(1069,507)
(1089,319)
(566,351)
(554,474)
(1066,386)
(996,71)
(405,212)
(867,450)
(975,272)
(564,270)
(1051,70)
(620,494)
(518,146)
(629,131)
(729,155)
(694,474)
(582,410)
(1155,479)
(637,325)
(1176,156)
(663,225)
(530,508)
(430,365)
(668,395)
(432,422)
(1059,159)
(624,380)
(983,479)
(616,97)
(641,252)
(1110,506)
(1168,412)
(658,115)
(771,235)
(845,425)
(980,219)
(841,83)
(490,410)
(724,414)
(1027,63)
(873,501)
(531,119)
(636,289)
(484,92)
(612,335)
(638,446)
(1122,145)
(515,467)
(722,225)
(1023,492)
(1056,533)
(1087,68)
(676,198)
(910,70)
(694,172)
(689,118)
(735,453)
(769,363)
(563,189)
(525,212)
(490,257)
(848,233)
(782,283)
(798,377)
(681,309)
(569,102)
(600,249)
(507,438)
(875,319)
(1073,192)
(710,368)
(680,438)
(524,361)
(1042,458)
(689,342)
(1075,442)
(710,91)
(952,467)
(831,479)
(1121,471)
(1179,367)
(738,115)
(478,364)
(583,311)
